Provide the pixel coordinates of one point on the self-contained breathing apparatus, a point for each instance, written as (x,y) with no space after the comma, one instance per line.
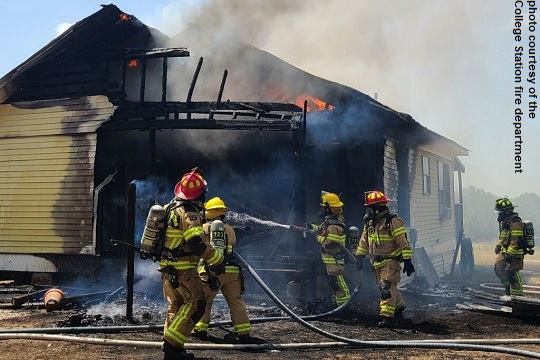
(217,236)
(153,233)
(218,242)
(528,237)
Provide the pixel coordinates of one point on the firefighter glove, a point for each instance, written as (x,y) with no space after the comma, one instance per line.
(408,267)
(218,269)
(497,249)
(312,228)
(508,259)
(359,259)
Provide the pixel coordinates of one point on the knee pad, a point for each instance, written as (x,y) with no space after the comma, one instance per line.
(199,310)
(385,285)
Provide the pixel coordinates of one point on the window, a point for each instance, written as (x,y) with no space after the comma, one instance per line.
(426,179)
(444,190)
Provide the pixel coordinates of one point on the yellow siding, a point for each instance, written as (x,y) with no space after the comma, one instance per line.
(47,152)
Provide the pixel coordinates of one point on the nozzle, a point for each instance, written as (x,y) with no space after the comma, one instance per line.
(296,228)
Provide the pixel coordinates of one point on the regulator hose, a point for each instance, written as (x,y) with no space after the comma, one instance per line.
(383,344)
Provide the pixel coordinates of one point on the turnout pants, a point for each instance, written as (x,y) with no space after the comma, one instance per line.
(186,306)
(392,274)
(509,274)
(232,290)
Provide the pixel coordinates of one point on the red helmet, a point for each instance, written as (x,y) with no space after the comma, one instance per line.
(374,197)
(191,186)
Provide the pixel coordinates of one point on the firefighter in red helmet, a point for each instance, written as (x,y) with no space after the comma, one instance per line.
(384,239)
(510,248)
(182,286)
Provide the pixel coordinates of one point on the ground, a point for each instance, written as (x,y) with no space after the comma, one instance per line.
(431,314)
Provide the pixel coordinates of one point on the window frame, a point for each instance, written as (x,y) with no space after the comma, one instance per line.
(426,176)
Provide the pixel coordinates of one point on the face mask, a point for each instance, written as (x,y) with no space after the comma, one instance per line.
(502,216)
(322,214)
(370,213)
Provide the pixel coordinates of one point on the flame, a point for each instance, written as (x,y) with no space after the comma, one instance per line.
(313,104)
(125,17)
(133,63)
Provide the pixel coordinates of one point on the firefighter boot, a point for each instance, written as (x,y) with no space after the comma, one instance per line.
(399,313)
(200,334)
(248,339)
(171,352)
(386,322)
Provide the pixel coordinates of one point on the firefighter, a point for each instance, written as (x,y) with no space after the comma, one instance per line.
(182,286)
(231,282)
(510,247)
(384,239)
(331,234)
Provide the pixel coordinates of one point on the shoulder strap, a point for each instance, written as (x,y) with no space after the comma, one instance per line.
(388,220)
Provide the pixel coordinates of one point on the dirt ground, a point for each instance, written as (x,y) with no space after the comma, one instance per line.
(431,314)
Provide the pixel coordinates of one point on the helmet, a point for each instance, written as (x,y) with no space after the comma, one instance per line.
(191,186)
(503,204)
(330,199)
(374,197)
(215,207)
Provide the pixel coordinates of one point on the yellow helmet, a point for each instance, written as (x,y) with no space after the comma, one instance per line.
(215,207)
(330,199)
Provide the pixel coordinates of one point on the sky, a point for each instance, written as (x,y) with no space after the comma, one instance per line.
(449,64)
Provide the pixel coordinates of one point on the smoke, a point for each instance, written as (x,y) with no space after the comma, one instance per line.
(447,63)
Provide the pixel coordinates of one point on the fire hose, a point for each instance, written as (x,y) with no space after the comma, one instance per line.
(471,344)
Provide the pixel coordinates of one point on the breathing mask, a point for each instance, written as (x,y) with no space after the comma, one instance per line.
(372,211)
(502,215)
(321,216)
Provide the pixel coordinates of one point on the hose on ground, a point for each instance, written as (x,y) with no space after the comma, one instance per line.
(471,344)
(337,310)
(383,344)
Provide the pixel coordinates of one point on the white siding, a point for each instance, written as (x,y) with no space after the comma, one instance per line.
(435,235)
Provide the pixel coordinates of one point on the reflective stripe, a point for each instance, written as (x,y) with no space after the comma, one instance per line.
(514,251)
(516,232)
(215,259)
(179,265)
(398,231)
(387,310)
(193,231)
(406,254)
(172,331)
(361,251)
(232,269)
(336,238)
(330,260)
(201,326)
(242,329)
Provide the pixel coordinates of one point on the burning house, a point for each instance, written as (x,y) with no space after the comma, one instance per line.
(112,102)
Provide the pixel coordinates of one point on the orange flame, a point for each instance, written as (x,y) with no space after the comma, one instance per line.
(133,63)
(313,104)
(124,17)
